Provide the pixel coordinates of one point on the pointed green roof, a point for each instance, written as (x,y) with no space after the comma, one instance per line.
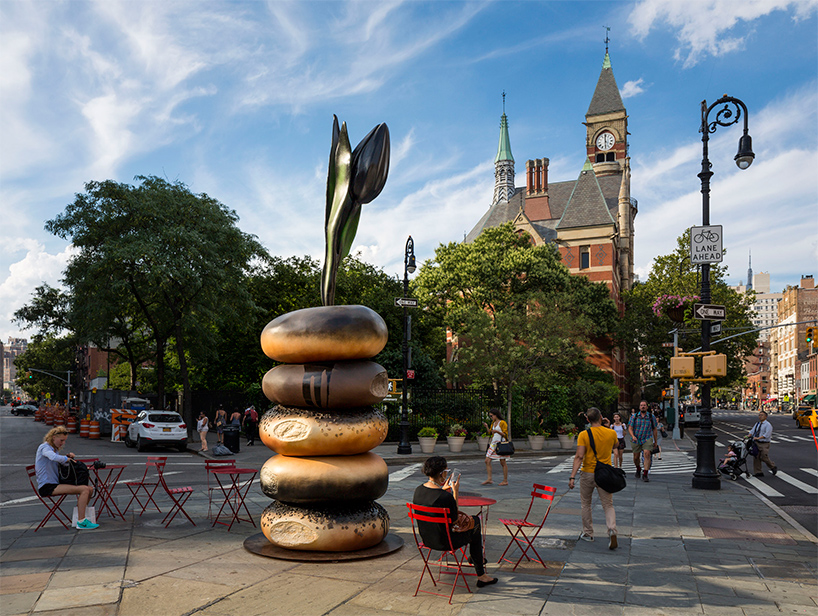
(504,148)
(606,97)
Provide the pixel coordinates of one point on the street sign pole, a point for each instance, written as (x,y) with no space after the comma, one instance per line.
(676,431)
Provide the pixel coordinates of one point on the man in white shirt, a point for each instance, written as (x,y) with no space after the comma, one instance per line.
(761,434)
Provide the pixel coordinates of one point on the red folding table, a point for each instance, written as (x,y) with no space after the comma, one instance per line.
(478,501)
(234,493)
(106,480)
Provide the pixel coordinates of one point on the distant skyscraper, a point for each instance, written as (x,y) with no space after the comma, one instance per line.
(750,272)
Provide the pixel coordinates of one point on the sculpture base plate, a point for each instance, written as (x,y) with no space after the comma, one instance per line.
(260,545)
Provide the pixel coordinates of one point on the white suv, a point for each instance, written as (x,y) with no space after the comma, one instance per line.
(157,428)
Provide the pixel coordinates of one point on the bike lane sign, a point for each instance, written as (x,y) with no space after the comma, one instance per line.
(706,244)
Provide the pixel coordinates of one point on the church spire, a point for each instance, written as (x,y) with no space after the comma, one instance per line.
(606,97)
(503,163)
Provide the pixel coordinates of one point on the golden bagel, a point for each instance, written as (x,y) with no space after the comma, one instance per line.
(325,333)
(330,385)
(326,528)
(324,478)
(304,432)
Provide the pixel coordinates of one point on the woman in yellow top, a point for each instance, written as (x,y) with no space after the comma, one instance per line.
(604,441)
(498,432)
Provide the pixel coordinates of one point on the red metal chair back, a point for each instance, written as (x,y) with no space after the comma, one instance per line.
(54,509)
(209,466)
(437,515)
(147,484)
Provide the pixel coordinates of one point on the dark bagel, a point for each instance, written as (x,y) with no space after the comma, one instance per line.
(324,478)
(329,385)
(325,333)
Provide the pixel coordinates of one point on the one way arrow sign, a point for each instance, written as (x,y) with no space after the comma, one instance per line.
(406,302)
(709,312)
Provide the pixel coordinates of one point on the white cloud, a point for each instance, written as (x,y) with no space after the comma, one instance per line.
(708,27)
(36,268)
(632,88)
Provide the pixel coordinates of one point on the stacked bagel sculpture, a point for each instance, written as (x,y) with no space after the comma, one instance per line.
(325,479)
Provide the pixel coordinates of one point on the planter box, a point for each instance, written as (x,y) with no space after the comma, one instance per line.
(536,442)
(456,443)
(483,443)
(427,443)
(567,441)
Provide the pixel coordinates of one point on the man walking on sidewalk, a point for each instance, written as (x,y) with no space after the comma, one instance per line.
(761,434)
(642,428)
(587,456)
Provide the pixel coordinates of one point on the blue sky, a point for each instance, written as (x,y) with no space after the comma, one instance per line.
(236,100)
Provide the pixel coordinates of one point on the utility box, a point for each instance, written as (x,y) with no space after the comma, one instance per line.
(681,367)
(714,365)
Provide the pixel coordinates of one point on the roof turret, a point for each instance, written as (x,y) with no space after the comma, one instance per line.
(606,97)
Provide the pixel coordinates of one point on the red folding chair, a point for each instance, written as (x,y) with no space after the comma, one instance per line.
(209,466)
(438,515)
(148,484)
(539,491)
(179,497)
(53,508)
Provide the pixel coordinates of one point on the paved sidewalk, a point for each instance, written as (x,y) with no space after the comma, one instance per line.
(682,551)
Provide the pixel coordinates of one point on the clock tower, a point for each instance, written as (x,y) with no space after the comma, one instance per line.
(606,124)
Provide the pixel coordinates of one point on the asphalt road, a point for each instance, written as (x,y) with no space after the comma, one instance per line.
(795,488)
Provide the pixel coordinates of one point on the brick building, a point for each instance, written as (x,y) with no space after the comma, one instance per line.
(590,218)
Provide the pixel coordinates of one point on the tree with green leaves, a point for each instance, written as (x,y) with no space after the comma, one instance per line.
(174,258)
(46,353)
(520,316)
(642,331)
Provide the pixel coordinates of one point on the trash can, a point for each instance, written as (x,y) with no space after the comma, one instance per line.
(232,438)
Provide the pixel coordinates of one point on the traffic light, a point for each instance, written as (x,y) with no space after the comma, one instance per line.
(29,375)
(810,334)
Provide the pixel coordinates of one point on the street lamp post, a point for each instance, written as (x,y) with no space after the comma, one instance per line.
(706,476)
(408,268)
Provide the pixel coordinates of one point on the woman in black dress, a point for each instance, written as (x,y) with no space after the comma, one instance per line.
(438,492)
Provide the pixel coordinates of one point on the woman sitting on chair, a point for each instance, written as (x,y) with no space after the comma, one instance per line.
(439,492)
(47,464)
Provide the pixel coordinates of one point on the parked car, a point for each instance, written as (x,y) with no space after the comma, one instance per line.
(692,415)
(157,428)
(806,417)
(23,409)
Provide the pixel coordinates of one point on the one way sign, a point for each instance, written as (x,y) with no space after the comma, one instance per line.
(709,312)
(406,302)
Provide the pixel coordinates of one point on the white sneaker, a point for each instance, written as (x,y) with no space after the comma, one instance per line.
(586,537)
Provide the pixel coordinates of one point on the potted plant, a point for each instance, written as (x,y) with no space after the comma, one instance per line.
(675,307)
(566,433)
(456,437)
(427,437)
(483,440)
(536,438)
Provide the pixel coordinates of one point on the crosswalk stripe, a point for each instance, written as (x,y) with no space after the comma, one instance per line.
(785,439)
(811,471)
(803,438)
(719,444)
(403,473)
(797,483)
(762,487)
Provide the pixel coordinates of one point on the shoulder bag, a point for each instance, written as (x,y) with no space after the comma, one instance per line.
(504,448)
(607,477)
(74,473)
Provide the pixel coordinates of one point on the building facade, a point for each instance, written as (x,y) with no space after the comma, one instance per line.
(789,348)
(590,218)
(14,347)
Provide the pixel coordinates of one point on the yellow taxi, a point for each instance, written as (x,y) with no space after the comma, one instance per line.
(807,417)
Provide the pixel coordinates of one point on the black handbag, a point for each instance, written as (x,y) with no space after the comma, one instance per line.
(504,448)
(74,473)
(607,477)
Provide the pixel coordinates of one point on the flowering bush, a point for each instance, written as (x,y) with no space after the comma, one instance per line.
(457,430)
(427,431)
(665,302)
(567,429)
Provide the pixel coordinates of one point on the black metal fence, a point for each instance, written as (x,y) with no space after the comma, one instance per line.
(440,408)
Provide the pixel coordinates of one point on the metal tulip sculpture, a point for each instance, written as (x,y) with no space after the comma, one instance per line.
(354,178)
(324,479)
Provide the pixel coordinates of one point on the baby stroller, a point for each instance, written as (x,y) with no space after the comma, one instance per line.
(733,467)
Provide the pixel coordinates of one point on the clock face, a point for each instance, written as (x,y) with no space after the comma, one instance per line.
(605,141)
